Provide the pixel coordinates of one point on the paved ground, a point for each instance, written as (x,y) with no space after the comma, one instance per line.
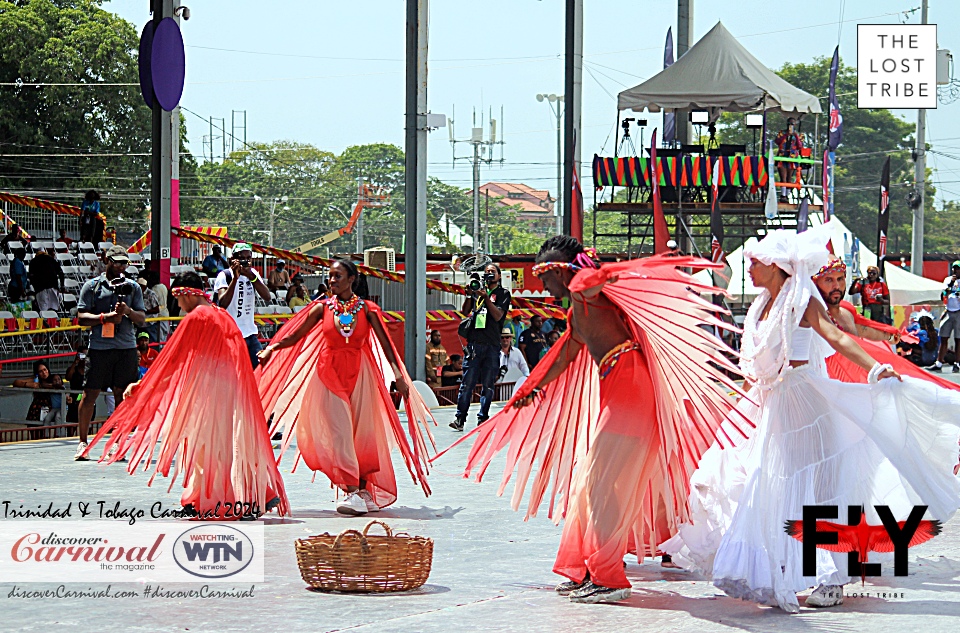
(491,571)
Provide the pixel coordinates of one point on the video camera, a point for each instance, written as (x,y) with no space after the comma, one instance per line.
(121,286)
(477,282)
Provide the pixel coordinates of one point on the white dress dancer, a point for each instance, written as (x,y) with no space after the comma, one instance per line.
(817,442)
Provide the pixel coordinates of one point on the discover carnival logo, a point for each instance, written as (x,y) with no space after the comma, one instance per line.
(213,551)
(110,551)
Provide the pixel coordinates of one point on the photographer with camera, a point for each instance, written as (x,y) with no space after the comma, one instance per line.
(487,304)
(112,306)
(950,322)
(236,289)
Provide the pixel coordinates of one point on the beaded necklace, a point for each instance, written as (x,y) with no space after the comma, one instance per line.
(345,314)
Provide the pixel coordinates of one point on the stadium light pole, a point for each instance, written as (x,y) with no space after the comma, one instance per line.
(558,112)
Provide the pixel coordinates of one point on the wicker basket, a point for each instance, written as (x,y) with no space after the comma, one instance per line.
(356,562)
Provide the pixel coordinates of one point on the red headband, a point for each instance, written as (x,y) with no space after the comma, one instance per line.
(184,291)
(833,266)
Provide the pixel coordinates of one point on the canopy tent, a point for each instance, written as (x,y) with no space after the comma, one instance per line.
(717,73)
(455,235)
(905,287)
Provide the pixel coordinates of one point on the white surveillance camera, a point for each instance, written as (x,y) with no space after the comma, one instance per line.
(183,12)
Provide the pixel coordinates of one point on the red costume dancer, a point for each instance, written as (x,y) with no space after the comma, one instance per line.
(628,400)
(327,386)
(199,400)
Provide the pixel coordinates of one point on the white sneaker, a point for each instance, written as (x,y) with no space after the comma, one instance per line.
(352,505)
(113,451)
(593,594)
(368,499)
(79,456)
(826,596)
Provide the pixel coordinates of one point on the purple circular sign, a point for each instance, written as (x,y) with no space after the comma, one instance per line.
(167,64)
(143,63)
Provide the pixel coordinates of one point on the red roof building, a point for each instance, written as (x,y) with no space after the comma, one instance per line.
(533,205)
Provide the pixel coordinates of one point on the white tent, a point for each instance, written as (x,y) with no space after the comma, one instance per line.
(905,287)
(717,72)
(458,237)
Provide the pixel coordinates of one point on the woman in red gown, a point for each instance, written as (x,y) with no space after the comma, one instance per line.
(199,400)
(327,386)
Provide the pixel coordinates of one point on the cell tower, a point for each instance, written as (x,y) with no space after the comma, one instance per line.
(483,152)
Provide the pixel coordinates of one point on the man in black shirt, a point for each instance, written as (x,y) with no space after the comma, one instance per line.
(532,342)
(489,307)
(452,374)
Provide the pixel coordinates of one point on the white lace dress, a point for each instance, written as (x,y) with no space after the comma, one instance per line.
(817,442)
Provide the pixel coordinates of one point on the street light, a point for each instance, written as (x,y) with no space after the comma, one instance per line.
(558,112)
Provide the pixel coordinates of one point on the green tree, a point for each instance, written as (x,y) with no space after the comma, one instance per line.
(72,42)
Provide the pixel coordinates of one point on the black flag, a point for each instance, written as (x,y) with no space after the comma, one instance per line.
(883,221)
(803,214)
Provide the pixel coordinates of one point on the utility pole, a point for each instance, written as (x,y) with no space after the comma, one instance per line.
(415,175)
(482,153)
(161,168)
(684,37)
(920,177)
(573,87)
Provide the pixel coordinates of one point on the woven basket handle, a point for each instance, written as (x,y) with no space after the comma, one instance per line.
(385,527)
(363,540)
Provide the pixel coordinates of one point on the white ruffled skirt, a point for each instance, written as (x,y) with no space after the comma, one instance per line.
(818,442)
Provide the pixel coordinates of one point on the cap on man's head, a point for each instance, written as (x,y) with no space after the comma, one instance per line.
(216,248)
(143,335)
(240,247)
(955,264)
(142,281)
(118,254)
(280,261)
(506,332)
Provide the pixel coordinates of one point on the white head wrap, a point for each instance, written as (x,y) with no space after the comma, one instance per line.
(800,256)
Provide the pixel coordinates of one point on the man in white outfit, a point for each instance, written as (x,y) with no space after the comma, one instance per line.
(512,358)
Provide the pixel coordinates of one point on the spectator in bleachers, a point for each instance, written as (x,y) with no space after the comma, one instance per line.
(516,325)
(532,342)
(113,306)
(279,277)
(297,297)
(321,292)
(236,289)
(214,263)
(552,338)
(89,217)
(46,277)
(436,359)
(13,235)
(452,375)
(19,282)
(45,406)
(75,376)
(99,266)
(63,238)
(151,309)
(147,354)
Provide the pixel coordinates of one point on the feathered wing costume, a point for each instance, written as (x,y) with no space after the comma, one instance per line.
(332,394)
(653,417)
(199,400)
(817,442)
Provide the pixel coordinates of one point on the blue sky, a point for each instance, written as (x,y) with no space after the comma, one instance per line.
(331,73)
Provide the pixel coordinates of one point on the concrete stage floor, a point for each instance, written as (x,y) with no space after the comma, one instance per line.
(491,571)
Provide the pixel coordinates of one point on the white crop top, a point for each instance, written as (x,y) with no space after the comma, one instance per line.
(800,344)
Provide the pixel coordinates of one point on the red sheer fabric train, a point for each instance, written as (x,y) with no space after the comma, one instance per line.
(331,394)
(199,400)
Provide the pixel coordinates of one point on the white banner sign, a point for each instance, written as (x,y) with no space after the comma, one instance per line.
(897,66)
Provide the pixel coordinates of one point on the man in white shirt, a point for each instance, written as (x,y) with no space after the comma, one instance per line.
(236,289)
(511,358)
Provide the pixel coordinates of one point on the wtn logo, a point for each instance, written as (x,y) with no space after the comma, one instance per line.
(858,538)
(220,551)
(214,551)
